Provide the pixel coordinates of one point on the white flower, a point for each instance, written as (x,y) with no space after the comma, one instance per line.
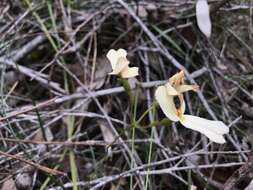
(165,95)
(120,64)
(203,17)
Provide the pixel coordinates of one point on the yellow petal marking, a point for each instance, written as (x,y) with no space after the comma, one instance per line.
(129,72)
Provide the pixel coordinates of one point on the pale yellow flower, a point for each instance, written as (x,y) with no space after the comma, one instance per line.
(120,64)
(165,96)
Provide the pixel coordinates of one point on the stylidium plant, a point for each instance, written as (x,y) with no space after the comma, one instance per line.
(120,64)
(120,67)
(165,96)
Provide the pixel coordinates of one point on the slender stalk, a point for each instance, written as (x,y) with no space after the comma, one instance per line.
(134,126)
(70,120)
(150,152)
(133,110)
(154,105)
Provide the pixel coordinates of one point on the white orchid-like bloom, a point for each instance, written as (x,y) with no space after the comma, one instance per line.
(165,95)
(120,64)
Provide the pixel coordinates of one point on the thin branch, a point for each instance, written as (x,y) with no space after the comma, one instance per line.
(42,168)
(98,93)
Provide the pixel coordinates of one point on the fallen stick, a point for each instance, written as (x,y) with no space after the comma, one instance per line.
(42,168)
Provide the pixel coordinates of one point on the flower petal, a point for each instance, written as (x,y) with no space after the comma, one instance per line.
(212,129)
(177,78)
(184,88)
(122,53)
(114,55)
(171,90)
(129,72)
(166,103)
(121,64)
(182,105)
(203,17)
(113,58)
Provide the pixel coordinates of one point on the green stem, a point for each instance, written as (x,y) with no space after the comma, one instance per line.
(150,150)
(134,126)
(70,120)
(153,106)
(133,110)
(149,160)
(132,150)
(164,121)
(128,89)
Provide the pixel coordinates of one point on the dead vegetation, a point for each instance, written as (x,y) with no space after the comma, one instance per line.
(66,124)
